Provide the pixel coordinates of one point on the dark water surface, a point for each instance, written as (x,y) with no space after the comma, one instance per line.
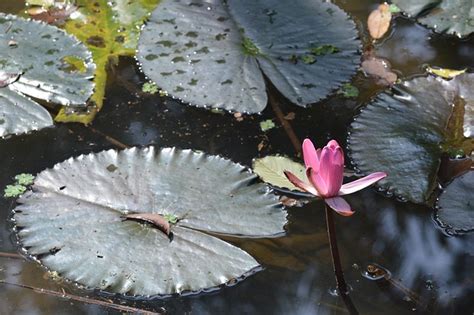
(431,272)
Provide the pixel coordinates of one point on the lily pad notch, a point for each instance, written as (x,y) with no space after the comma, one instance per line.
(73,220)
(216,53)
(42,62)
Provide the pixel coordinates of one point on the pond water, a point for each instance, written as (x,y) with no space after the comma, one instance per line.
(431,271)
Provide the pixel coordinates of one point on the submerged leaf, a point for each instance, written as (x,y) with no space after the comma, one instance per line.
(35,66)
(215,53)
(456,204)
(110,29)
(380,70)
(445,16)
(72,220)
(270,169)
(401,133)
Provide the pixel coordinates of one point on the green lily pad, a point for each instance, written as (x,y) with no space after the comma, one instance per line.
(35,61)
(72,220)
(215,53)
(270,169)
(402,131)
(456,204)
(445,16)
(110,29)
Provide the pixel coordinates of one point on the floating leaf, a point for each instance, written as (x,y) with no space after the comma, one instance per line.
(379,20)
(150,87)
(14,190)
(270,169)
(38,62)
(72,220)
(456,203)
(401,133)
(445,16)
(213,53)
(348,90)
(24,179)
(267,125)
(445,73)
(394,9)
(110,29)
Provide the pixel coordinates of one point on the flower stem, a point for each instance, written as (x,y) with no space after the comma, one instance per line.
(342,288)
(336,260)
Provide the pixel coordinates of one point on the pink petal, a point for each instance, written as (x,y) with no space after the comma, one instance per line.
(310,156)
(361,183)
(316,180)
(300,184)
(331,167)
(339,205)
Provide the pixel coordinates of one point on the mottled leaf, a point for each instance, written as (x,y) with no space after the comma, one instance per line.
(110,29)
(35,61)
(72,220)
(456,204)
(213,53)
(445,16)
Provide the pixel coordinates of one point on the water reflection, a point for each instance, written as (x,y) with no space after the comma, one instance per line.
(423,258)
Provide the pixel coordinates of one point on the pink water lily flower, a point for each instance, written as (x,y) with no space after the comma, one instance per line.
(325,172)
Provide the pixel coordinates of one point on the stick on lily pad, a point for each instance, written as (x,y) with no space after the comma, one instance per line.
(216,53)
(73,220)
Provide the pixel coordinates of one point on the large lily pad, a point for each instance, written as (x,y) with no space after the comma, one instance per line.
(216,53)
(456,203)
(72,220)
(449,16)
(43,62)
(401,133)
(110,29)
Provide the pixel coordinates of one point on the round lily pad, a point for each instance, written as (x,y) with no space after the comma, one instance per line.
(401,132)
(216,53)
(42,62)
(445,16)
(456,203)
(73,220)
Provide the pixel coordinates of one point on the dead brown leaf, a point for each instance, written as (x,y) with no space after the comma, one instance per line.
(153,218)
(54,15)
(378,22)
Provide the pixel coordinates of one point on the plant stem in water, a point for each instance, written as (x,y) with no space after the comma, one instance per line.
(336,260)
(342,287)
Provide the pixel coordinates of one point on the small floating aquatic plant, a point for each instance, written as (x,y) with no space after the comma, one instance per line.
(325,172)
